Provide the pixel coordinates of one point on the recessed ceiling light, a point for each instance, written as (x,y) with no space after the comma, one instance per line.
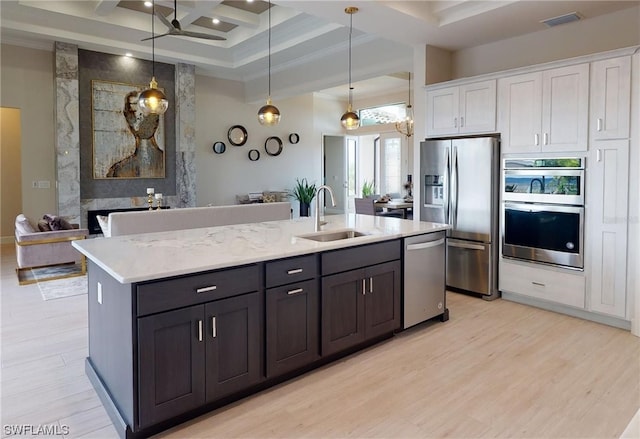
(148,4)
(129,54)
(216,21)
(249,1)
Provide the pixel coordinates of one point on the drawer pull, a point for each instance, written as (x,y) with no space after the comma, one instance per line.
(295,271)
(214,330)
(206,289)
(364,287)
(199,330)
(296,291)
(538,284)
(371,285)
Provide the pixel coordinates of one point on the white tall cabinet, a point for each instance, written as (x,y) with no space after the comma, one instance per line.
(606,226)
(607,189)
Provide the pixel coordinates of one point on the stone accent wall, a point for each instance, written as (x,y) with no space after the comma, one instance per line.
(67,131)
(185,135)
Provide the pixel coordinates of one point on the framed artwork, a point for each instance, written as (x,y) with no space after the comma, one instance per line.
(126,143)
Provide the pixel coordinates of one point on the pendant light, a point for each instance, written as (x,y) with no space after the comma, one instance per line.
(269,114)
(152,100)
(405,126)
(350,120)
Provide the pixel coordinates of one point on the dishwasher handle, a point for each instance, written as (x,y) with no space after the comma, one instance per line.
(424,245)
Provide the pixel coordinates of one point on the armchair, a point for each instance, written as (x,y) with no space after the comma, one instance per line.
(35,249)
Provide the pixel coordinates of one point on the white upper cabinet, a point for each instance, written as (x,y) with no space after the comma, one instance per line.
(545,111)
(610,98)
(464,109)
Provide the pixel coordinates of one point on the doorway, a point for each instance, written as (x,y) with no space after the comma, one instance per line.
(11,171)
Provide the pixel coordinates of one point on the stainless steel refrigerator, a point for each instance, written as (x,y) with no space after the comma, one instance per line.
(460,186)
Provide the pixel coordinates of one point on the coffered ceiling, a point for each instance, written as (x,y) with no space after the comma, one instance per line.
(309,38)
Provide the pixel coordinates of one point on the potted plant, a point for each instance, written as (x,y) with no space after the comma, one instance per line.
(304,193)
(368,189)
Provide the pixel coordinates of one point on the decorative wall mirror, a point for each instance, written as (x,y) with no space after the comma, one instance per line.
(237,135)
(254,155)
(273,146)
(294,138)
(219,147)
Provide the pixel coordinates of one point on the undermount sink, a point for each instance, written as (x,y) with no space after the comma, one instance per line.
(333,235)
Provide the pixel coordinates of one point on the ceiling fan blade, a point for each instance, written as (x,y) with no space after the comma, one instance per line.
(186,33)
(157,36)
(164,20)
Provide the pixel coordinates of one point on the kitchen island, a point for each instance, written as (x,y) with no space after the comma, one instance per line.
(183,322)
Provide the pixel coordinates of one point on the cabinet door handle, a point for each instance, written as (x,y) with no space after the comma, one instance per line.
(199,330)
(538,284)
(371,285)
(455,122)
(461,121)
(598,155)
(364,287)
(536,139)
(206,289)
(546,138)
(295,271)
(214,330)
(599,124)
(296,291)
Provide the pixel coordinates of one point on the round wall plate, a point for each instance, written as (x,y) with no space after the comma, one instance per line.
(273,145)
(254,155)
(294,138)
(237,135)
(219,147)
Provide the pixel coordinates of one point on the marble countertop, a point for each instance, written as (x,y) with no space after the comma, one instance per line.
(137,258)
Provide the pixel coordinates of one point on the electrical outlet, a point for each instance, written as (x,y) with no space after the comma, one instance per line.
(34,184)
(44,184)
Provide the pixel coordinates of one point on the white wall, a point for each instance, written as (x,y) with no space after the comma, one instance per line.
(607,32)
(220,177)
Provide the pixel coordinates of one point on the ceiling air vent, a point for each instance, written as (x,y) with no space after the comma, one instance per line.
(562,19)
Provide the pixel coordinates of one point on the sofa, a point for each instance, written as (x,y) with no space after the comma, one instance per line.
(37,247)
(129,223)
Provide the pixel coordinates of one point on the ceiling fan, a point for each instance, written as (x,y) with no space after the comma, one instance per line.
(176,30)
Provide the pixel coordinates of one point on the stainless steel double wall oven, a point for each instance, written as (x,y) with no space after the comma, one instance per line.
(543,210)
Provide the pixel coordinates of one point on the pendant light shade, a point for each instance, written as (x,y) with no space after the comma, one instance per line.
(269,114)
(350,119)
(152,100)
(405,126)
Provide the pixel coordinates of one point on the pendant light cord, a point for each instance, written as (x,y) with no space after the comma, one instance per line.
(350,32)
(409,89)
(269,49)
(153,39)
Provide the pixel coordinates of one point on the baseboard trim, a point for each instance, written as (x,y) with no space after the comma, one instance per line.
(563,309)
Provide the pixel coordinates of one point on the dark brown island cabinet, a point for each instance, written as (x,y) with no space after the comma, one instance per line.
(167,350)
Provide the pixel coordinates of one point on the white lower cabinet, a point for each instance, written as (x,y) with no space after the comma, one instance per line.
(552,284)
(606,214)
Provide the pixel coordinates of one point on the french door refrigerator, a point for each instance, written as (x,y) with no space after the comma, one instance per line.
(460,178)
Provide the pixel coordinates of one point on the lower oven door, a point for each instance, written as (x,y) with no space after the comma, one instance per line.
(552,234)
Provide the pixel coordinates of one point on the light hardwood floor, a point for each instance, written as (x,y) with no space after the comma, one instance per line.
(495,369)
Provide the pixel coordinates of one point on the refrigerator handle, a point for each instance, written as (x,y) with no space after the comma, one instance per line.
(454,204)
(447,188)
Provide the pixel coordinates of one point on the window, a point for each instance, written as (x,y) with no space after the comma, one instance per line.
(391,165)
(382,115)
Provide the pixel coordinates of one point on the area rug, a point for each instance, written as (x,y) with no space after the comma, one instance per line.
(33,275)
(58,289)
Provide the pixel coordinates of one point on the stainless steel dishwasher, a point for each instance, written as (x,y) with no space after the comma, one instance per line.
(424,278)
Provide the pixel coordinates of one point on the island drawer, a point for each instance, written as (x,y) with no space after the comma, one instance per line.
(170,294)
(286,271)
(337,261)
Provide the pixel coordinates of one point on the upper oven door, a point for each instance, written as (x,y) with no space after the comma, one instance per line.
(555,186)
